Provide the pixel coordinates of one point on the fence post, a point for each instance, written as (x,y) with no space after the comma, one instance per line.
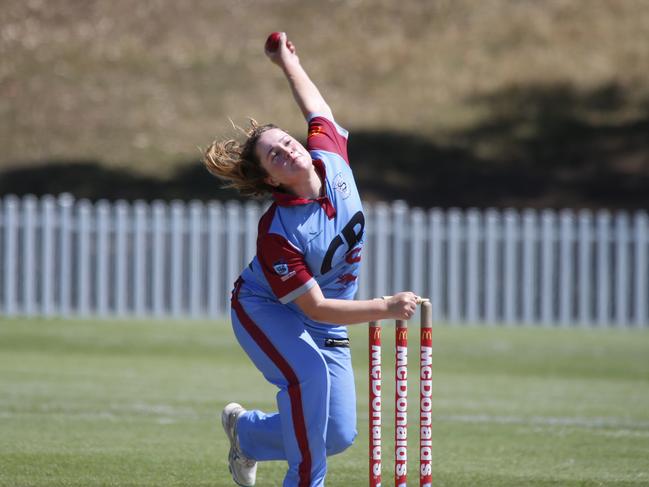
(176,279)
(84,229)
(454,225)
(529,266)
(585,266)
(566,299)
(104,250)
(382,263)
(548,225)
(195,255)
(640,223)
(416,252)
(492,240)
(120,283)
(621,269)
(30,209)
(141,283)
(510,273)
(603,267)
(65,203)
(214,258)
(472,301)
(10,254)
(160,261)
(48,221)
(399,230)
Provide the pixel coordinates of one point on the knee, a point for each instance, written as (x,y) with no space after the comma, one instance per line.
(340,439)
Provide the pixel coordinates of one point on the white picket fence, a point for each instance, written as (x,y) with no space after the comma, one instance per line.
(67,258)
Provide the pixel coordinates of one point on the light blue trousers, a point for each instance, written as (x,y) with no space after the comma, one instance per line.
(316,400)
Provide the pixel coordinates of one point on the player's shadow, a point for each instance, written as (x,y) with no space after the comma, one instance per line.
(539,146)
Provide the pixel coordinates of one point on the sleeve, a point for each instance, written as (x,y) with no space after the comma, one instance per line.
(327,135)
(284,267)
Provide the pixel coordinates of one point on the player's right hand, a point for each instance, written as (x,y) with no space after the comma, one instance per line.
(285,54)
(402,305)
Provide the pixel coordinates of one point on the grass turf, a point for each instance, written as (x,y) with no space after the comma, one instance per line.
(112,403)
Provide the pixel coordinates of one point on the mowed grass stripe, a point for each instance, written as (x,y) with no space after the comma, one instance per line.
(121,403)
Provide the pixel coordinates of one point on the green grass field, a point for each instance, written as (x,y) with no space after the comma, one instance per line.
(85,403)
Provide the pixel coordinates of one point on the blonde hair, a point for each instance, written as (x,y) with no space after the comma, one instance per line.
(238,164)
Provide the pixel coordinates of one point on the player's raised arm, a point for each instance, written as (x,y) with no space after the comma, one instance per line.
(282,52)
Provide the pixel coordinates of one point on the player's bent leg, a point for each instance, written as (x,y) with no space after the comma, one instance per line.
(304,432)
(275,339)
(341,426)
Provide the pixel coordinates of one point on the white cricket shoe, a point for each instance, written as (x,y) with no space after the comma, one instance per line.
(242,468)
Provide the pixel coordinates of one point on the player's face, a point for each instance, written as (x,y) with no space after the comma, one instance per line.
(285,160)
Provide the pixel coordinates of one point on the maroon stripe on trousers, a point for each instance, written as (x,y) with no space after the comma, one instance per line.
(295,395)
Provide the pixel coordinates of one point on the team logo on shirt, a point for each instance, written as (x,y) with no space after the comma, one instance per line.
(281,269)
(342,186)
(315,130)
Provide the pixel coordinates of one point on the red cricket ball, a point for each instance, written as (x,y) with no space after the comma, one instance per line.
(272,43)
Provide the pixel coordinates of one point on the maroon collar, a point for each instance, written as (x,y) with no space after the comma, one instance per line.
(286,199)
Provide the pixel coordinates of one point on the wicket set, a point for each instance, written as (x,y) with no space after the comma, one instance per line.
(401,400)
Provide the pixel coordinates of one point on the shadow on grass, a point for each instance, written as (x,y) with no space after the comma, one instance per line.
(587,148)
(537,146)
(545,146)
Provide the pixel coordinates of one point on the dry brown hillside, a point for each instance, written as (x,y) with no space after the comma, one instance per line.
(464,102)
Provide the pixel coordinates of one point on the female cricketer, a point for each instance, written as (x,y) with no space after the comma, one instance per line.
(290,305)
